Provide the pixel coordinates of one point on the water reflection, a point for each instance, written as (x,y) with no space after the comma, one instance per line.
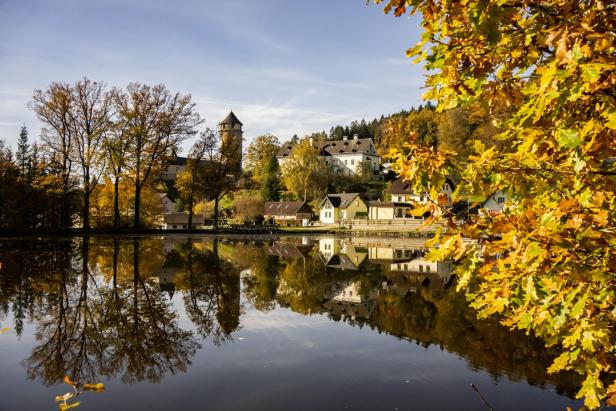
(109,307)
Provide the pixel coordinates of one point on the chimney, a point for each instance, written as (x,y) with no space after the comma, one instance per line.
(345,138)
(355,136)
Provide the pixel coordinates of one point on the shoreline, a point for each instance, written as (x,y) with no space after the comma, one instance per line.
(78,232)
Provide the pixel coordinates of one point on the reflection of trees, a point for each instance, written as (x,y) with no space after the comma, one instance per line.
(142,330)
(69,326)
(211,292)
(260,288)
(99,312)
(90,329)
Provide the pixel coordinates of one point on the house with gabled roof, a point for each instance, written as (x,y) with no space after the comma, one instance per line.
(336,208)
(346,157)
(287,211)
(402,192)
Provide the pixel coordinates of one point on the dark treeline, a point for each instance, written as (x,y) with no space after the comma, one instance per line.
(102,151)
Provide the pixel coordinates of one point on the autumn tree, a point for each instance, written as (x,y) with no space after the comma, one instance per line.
(91,121)
(190,182)
(248,207)
(53,107)
(221,174)
(547,265)
(156,122)
(258,153)
(301,169)
(116,145)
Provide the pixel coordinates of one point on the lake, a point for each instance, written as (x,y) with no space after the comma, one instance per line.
(276,323)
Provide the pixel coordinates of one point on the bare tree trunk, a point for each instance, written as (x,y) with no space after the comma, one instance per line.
(86,203)
(137,216)
(191,200)
(116,202)
(216,212)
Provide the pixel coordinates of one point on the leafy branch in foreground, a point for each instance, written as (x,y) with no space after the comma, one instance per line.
(547,263)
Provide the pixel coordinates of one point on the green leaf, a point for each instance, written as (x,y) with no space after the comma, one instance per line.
(569,138)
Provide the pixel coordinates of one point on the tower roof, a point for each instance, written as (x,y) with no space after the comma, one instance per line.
(231,119)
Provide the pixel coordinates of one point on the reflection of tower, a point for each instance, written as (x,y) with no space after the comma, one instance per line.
(230,130)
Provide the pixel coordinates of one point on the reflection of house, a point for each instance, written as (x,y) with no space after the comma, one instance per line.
(341,254)
(402,191)
(378,210)
(345,157)
(442,269)
(341,207)
(288,250)
(389,254)
(165,279)
(347,300)
(180,221)
(288,211)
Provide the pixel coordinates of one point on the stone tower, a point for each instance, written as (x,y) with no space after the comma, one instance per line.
(230,130)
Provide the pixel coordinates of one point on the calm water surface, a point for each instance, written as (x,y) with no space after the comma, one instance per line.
(294,323)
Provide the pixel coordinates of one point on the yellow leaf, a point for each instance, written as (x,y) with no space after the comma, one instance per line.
(65,397)
(63,407)
(69,381)
(94,387)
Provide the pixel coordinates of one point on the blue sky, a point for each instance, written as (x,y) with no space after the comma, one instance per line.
(283,66)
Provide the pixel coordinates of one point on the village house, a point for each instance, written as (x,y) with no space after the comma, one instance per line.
(288,212)
(178,221)
(495,203)
(389,210)
(166,202)
(402,192)
(346,157)
(336,208)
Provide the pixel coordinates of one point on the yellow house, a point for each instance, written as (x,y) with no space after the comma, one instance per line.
(336,208)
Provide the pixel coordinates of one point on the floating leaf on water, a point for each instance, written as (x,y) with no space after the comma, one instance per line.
(94,387)
(65,397)
(63,407)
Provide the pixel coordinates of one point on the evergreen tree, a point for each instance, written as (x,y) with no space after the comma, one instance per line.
(23,148)
(270,188)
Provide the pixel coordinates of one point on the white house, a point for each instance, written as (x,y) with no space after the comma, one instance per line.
(166,203)
(346,157)
(402,191)
(179,221)
(335,208)
(495,203)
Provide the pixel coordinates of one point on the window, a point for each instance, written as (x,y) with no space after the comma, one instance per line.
(357,203)
(427,268)
(346,161)
(175,226)
(420,268)
(352,162)
(500,200)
